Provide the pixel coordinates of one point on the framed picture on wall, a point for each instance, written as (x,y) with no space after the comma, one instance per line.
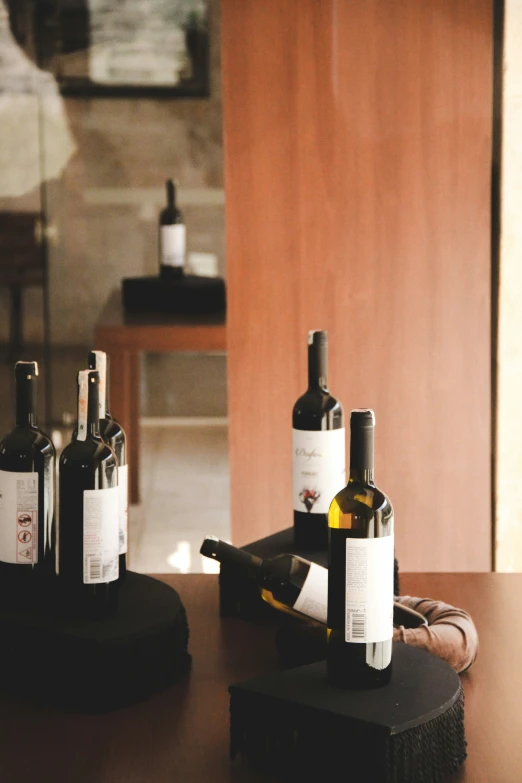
(128,48)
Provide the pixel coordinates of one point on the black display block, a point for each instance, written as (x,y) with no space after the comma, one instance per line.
(99,664)
(188,295)
(294,726)
(239,596)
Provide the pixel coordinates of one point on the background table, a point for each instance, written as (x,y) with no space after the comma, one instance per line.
(183,734)
(123,337)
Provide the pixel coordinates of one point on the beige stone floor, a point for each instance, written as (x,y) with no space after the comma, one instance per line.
(184,496)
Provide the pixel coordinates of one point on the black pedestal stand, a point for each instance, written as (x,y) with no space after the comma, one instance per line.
(294,726)
(100,664)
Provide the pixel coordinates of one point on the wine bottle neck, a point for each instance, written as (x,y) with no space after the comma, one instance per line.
(93,406)
(228,554)
(362,476)
(317,362)
(107,389)
(171,194)
(25,400)
(361,450)
(99,361)
(88,404)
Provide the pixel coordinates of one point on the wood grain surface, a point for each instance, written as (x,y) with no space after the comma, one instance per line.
(357,173)
(183,733)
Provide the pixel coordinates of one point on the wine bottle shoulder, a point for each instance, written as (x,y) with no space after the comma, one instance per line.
(112,432)
(359,505)
(93,450)
(170,217)
(357,492)
(318,398)
(23,439)
(111,429)
(317,407)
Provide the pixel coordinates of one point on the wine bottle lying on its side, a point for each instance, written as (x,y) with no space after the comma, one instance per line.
(290,583)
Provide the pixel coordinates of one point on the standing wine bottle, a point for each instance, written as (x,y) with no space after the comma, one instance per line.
(172,237)
(27,495)
(287,582)
(88,509)
(319,450)
(360,570)
(113,433)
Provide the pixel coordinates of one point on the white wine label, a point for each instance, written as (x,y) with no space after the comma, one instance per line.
(18,517)
(319,468)
(101,367)
(123,491)
(100,535)
(313,598)
(172,245)
(83,395)
(369,589)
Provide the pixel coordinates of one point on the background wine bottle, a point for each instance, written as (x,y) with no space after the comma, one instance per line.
(113,433)
(319,450)
(360,570)
(88,510)
(27,495)
(287,582)
(172,237)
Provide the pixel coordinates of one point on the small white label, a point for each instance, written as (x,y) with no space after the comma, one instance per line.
(313,598)
(18,517)
(83,396)
(172,245)
(319,468)
(369,589)
(123,506)
(101,368)
(100,535)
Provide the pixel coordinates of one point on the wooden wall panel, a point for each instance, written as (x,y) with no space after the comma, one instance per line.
(357,176)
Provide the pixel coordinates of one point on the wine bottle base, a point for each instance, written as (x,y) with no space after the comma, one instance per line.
(361,680)
(292,725)
(85,601)
(310,531)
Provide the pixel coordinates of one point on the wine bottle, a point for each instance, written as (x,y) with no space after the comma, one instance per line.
(172,237)
(113,433)
(287,582)
(88,509)
(319,450)
(27,494)
(360,570)
(292,584)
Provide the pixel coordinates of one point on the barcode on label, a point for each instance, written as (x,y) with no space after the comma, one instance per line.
(358,626)
(95,568)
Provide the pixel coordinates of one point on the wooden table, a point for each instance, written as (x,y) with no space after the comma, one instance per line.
(183,734)
(123,337)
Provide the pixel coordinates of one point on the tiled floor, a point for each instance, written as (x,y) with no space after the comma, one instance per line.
(185,496)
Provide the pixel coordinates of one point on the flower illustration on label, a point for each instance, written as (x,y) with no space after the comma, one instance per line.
(309,497)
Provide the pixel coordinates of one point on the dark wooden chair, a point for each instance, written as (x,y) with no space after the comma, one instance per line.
(23,263)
